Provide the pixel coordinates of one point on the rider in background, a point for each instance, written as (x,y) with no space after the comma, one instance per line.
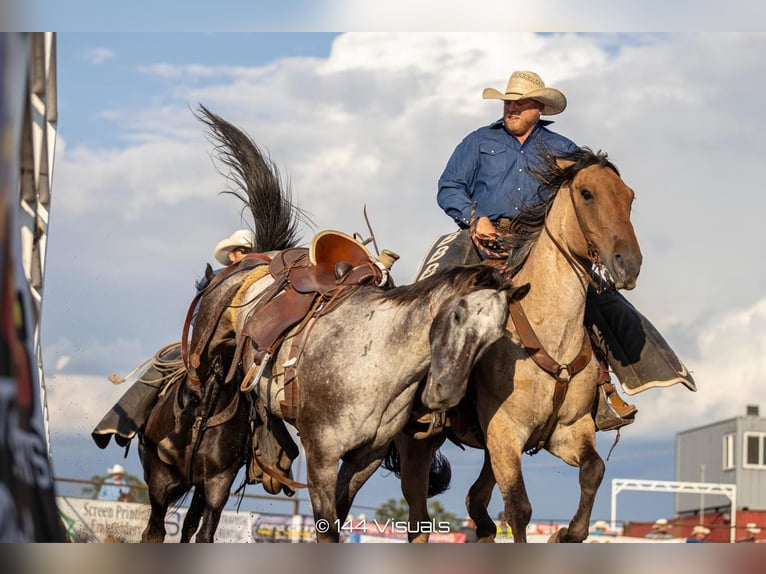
(494,166)
(228,251)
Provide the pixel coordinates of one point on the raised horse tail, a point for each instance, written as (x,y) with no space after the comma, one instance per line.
(255,179)
(439,477)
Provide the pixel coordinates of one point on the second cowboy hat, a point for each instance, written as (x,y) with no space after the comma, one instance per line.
(243,238)
(524,84)
(116,469)
(700,529)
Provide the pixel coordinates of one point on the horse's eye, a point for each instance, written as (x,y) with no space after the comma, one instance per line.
(586,194)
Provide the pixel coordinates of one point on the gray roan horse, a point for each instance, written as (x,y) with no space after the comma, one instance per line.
(359,366)
(526,394)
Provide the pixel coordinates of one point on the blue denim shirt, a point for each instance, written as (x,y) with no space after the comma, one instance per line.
(490,167)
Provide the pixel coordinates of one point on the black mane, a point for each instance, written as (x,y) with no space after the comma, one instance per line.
(528,224)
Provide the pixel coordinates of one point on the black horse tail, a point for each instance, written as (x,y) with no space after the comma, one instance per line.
(439,477)
(255,179)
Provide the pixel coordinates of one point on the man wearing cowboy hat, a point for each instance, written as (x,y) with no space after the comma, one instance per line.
(699,534)
(751,529)
(228,251)
(493,168)
(235,247)
(660,530)
(115,487)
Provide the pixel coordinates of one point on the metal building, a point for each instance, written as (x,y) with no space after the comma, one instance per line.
(731,451)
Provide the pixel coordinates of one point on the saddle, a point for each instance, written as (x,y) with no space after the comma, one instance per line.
(308,283)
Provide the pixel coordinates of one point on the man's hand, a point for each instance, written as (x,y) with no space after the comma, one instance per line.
(484,227)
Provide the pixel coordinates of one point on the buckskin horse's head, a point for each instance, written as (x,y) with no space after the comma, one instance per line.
(598,229)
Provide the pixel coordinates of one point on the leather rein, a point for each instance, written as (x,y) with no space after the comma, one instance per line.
(561,373)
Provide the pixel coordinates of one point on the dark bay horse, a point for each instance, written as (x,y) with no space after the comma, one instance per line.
(512,396)
(209,465)
(225,435)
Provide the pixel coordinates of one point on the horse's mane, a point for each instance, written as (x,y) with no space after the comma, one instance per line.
(555,172)
(255,180)
(461,278)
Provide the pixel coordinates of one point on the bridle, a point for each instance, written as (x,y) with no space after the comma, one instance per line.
(597,266)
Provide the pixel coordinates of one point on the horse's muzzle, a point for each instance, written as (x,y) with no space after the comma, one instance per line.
(624,268)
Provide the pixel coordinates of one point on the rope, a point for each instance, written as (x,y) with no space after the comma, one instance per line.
(157,361)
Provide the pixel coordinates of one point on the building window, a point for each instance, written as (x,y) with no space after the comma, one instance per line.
(728,451)
(755,450)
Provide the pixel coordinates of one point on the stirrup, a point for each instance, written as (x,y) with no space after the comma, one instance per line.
(617,404)
(606,416)
(438,420)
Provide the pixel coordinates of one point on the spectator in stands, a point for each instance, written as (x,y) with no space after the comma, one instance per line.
(699,534)
(660,530)
(115,487)
(751,529)
(600,528)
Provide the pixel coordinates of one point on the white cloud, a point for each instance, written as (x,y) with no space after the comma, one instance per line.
(76,403)
(99,55)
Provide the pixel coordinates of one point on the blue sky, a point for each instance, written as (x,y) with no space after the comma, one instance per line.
(370,119)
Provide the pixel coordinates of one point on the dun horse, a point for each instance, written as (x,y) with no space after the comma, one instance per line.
(528,393)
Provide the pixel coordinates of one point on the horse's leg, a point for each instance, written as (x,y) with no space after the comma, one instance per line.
(216,494)
(193,515)
(505,447)
(164,488)
(154,532)
(415,457)
(322,475)
(356,468)
(576,445)
(477,502)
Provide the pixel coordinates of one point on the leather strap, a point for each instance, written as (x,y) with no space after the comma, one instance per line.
(253,260)
(561,373)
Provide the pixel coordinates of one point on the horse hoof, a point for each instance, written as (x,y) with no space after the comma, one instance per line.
(559,535)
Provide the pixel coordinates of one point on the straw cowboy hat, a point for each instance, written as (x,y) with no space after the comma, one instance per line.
(752,528)
(600,525)
(699,529)
(661,523)
(240,238)
(523,84)
(116,469)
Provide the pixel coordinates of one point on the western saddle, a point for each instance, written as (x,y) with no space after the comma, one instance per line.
(308,283)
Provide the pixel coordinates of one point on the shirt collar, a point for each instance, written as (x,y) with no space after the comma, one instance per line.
(540,123)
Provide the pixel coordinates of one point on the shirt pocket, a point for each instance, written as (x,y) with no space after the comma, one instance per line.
(493,159)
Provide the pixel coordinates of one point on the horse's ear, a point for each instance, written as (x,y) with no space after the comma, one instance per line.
(209,272)
(518,293)
(563,163)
